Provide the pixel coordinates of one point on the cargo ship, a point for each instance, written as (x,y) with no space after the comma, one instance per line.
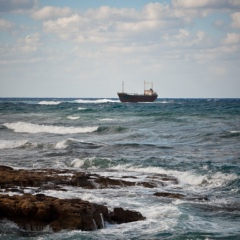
(148,95)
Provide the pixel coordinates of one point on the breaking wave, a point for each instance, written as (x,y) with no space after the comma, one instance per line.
(49,103)
(6,144)
(36,128)
(105,100)
(73,117)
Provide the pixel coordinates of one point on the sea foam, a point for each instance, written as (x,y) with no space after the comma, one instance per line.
(73,117)
(6,144)
(36,128)
(185,178)
(105,100)
(49,103)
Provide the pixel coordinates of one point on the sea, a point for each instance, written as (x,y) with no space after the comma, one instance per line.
(195,141)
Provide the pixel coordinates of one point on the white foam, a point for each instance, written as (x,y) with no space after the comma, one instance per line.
(80,108)
(234,131)
(165,102)
(77,163)
(107,119)
(73,117)
(105,100)
(36,128)
(185,177)
(6,144)
(49,103)
(61,145)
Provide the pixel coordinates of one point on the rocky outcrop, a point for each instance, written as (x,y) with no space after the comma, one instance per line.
(52,179)
(169,195)
(36,211)
(119,215)
(180,196)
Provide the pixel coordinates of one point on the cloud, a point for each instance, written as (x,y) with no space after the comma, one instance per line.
(235,20)
(50,12)
(107,24)
(232,38)
(17,5)
(216,4)
(5,24)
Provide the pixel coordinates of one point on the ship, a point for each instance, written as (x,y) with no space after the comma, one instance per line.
(148,95)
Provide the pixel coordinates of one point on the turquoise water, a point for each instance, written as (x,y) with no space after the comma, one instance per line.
(196,141)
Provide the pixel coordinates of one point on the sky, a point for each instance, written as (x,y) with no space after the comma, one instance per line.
(83,49)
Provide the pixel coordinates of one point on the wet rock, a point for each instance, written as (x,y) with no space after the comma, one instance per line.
(169,195)
(82,180)
(119,215)
(104,182)
(36,212)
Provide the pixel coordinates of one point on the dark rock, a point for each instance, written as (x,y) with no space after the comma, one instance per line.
(119,215)
(82,180)
(36,212)
(104,182)
(169,195)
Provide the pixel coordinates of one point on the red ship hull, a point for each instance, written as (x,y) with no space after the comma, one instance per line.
(124,97)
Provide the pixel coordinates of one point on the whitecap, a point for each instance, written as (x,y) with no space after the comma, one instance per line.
(61,145)
(77,163)
(49,103)
(185,178)
(106,119)
(36,128)
(73,117)
(105,100)
(234,131)
(6,144)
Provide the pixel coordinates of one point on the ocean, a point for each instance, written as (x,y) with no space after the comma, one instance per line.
(194,141)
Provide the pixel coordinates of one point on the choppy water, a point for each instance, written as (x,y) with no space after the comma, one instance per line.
(195,140)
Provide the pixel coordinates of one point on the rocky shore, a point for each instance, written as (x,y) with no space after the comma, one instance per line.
(35,211)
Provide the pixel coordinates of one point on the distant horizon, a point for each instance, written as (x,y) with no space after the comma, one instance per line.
(118,98)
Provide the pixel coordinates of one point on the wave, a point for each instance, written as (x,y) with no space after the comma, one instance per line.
(105,100)
(71,142)
(107,119)
(36,128)
(165,102)
(188,179)
(49,103)
(73,117)
(6,144)
(111,129)
(92,162)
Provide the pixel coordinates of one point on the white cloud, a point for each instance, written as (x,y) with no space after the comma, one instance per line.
(5,24)
(107,24)
(224,4)
(232,38)
(50,12)
(235,20)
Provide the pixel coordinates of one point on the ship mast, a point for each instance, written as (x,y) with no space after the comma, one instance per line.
(122,86)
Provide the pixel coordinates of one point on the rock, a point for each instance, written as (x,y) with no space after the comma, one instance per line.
(34,212)
(169,195)
(119,215)
(82,180)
